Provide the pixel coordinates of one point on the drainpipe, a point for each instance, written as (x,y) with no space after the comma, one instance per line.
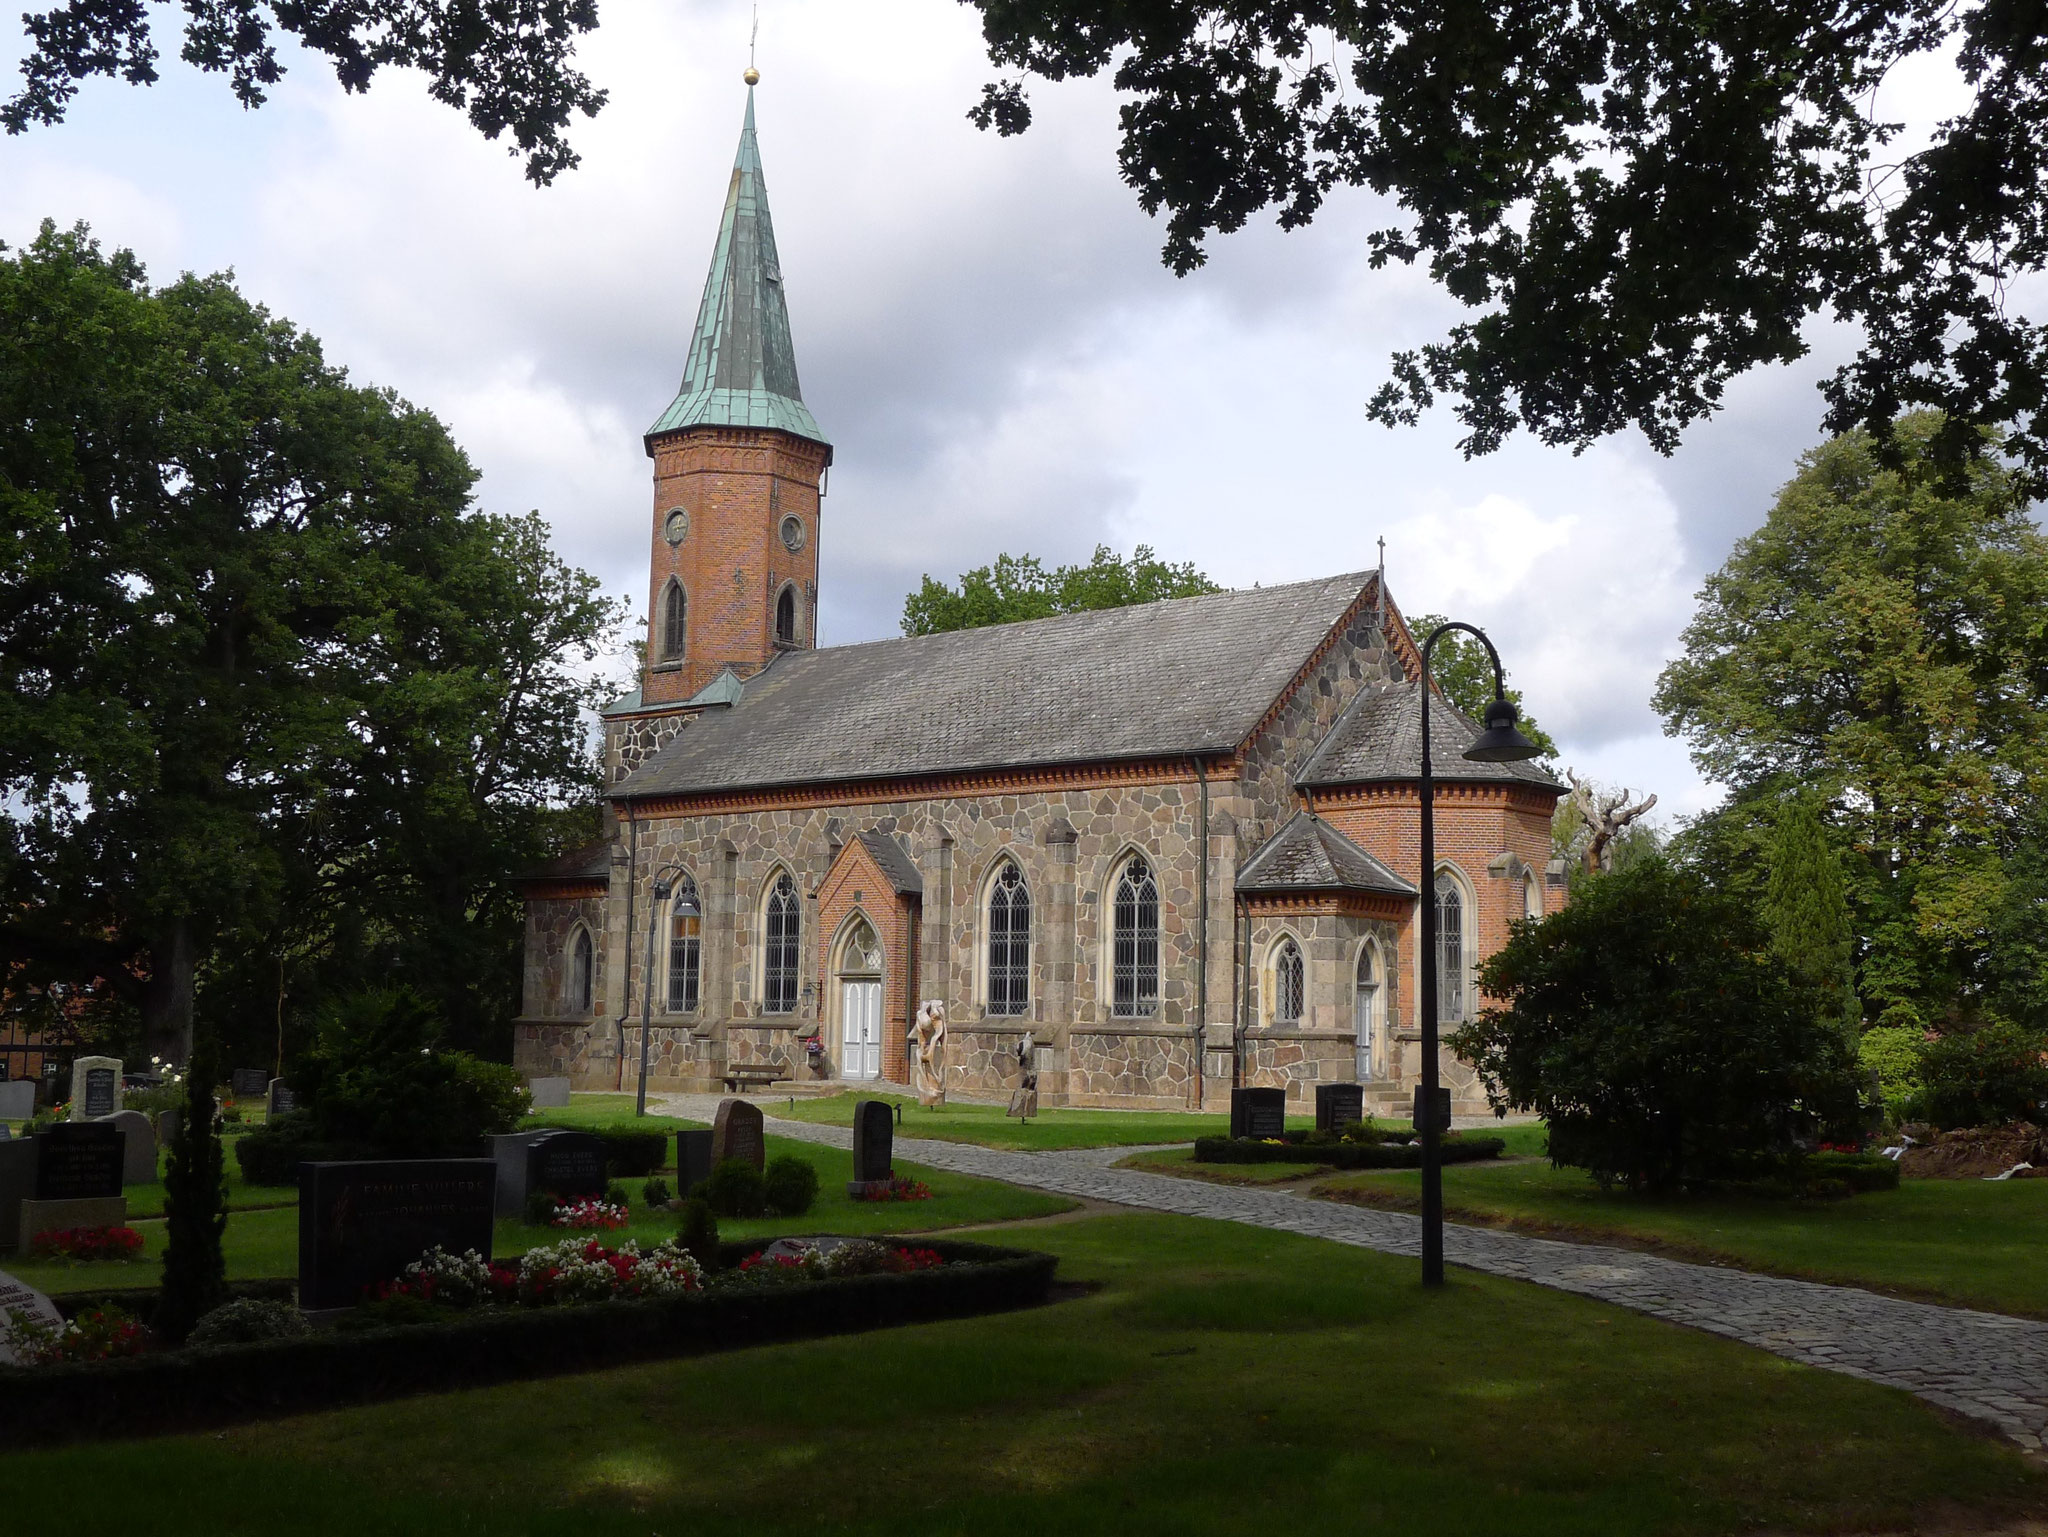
(626,977)
(1202,939)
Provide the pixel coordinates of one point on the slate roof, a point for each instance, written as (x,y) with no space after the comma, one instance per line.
(592,861)
(895,863)
(1308,854)
(742,366)
(1379,737)
(1160,679)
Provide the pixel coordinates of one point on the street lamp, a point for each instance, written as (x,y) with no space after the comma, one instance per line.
(664,883)
(1500,742)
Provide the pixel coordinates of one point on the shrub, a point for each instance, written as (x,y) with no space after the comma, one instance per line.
(1893,1053)
(95,1334)
(1983,1077)
(699,1232)
(735,1189)
(790,1186)
(1346,1155)
(540,1209)
(271,1155)
(248,1320)
(656,1193)
(1650,1025)
(615,1194)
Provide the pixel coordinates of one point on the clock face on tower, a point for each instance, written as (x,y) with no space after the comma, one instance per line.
(675,526)
(792,534)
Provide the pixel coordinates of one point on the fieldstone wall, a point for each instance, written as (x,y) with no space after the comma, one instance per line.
(982,1060)
(630,740)
(1153,1070)
(551,927)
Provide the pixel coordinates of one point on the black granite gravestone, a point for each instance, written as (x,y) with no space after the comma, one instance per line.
(873,1141)
(102,1091)
(1443,1109)
(736,1132)
(569,1164)
(693,1160)
(1339,1105)
(281,1100)
(248,1082)
(1258,1112)
(362,1223)
(79,1161)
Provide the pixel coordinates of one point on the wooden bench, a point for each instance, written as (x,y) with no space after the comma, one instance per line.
(742,1076)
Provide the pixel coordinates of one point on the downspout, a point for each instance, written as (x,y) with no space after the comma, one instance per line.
(626,979)
(1202,940)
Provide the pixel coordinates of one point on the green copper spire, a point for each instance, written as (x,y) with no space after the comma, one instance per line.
(742,369)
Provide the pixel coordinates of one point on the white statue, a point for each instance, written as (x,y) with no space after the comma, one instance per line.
(1024,1098)
(928,1058)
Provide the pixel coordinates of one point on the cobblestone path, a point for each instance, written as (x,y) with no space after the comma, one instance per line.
(1984,1365)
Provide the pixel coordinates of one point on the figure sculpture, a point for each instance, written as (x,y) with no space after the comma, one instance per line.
(928,1064)
(1024,1099)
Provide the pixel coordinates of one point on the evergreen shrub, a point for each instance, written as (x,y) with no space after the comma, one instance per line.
(247,1319)
(790,1186)
(735,1189)
(699,1233)
(1988,1076)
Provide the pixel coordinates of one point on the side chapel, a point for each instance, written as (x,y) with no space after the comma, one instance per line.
(1177,844)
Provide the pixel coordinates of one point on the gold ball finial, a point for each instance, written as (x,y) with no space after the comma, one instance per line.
(752,76)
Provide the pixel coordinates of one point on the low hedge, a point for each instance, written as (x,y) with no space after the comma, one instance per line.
(227,1384)
(1344,1155)
(271,1155)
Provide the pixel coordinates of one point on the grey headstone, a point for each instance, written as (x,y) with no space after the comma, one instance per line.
(80,1161)
(17,1184)
(1258,1112)
(280,1101)
(363,1223)
(167,1123)
(565,1163)
(549,1093)
(874,1136)
(18,1100)
(138,1158)
(1339,1105)
(693,1160)
(248,1082)
(95,1087)
(17,1298)
(736,1132)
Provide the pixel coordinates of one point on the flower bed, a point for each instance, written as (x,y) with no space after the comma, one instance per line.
(592,1215)
(1344,1155)
(900,1188)
(96,1334)
(85,1245)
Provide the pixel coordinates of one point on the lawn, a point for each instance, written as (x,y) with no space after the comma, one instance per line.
(264,1244)
(1971,1242)
(1222,1380)
(1052,1128)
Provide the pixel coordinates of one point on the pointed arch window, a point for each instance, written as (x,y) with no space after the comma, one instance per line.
(1532,895)
(582,973)
(1450,947)
(675,622)
(1009,942)
(780,936)
(1287,983)
(785,617)
(1134,945)
(685,948)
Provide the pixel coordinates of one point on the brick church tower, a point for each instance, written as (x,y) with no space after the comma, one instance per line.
(739,466)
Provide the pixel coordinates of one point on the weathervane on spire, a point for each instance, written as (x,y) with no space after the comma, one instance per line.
(753,75)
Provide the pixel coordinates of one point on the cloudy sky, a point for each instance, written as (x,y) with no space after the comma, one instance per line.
(982,326)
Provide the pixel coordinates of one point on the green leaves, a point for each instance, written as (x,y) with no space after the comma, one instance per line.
(1019,587)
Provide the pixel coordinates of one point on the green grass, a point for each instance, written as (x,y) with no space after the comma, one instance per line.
(1970,1242)
(1223,1380)
(612,1112)
(1051,1128)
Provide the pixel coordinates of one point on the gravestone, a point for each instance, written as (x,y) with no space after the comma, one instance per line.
(1339,1105)
(18,1100)
(1258,1112)
(95,1087)
(363,1223)
(17,1184)
(167,1123)
(693,1161)
(138,1157)
(248,1082)
(80,1161)
(568,1164)
(17,1298)
(1443,1109)
(736,1133)
(549,1093)
(874,1135)
(281,1101)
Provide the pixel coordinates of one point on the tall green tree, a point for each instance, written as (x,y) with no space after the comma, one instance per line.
(268,686)
(1021,587)
(1464,671)
(1808,913)
(1883,643)
(195,1277)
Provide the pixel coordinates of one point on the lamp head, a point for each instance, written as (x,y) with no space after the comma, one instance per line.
(1500,742)
(661,891)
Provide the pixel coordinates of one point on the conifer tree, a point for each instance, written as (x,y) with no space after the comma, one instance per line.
(195,1210)
(1808,911)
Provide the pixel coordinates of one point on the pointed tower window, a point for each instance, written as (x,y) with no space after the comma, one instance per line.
(675,622)
(785,617)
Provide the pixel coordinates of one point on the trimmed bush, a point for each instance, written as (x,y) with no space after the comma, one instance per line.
(735,1189)
(790,1186)
(540,1208)
(271,1155)
(1345,1155)
(656,1193)
(615,1194)
(699,1233)
(247,1320)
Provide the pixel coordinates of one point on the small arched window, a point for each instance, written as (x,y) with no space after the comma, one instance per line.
(685,948)
(675,622)
(785,617)
(582,973)
(1134,946)
(1450,947)
(1532,894)
(1009,942)
(1287,983)
(779,966)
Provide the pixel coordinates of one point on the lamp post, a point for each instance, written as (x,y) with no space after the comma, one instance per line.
(1500,742)
(664,883)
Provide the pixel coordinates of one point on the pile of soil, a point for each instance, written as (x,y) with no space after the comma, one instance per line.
(1977,1152)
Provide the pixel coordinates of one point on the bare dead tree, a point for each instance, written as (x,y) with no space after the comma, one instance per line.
(1605,815)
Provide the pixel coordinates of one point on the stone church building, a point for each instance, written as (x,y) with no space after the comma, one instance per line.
(1176,844)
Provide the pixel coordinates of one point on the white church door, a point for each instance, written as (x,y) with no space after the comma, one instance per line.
(860,1013)
(1365,1009)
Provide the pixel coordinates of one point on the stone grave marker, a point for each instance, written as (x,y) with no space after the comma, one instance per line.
(281,1101)
(565,1163)
(248,1082)
(693,1161)
(95,1087)
(17,1298)
(167,1123)
(17,1184)
(362,1223)
(1258,1112)
(874,1138)
(138,1157)
(1443,1109)
(1339,1105)
(549,1093)
(736,1133)
(78,1179)
(18,1099)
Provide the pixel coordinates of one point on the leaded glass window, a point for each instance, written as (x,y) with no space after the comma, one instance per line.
(1009,942)
(1134,959)
(675,622)
(685,948)
(779,966)
(1450,947)
(582,966)
(1287,984)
